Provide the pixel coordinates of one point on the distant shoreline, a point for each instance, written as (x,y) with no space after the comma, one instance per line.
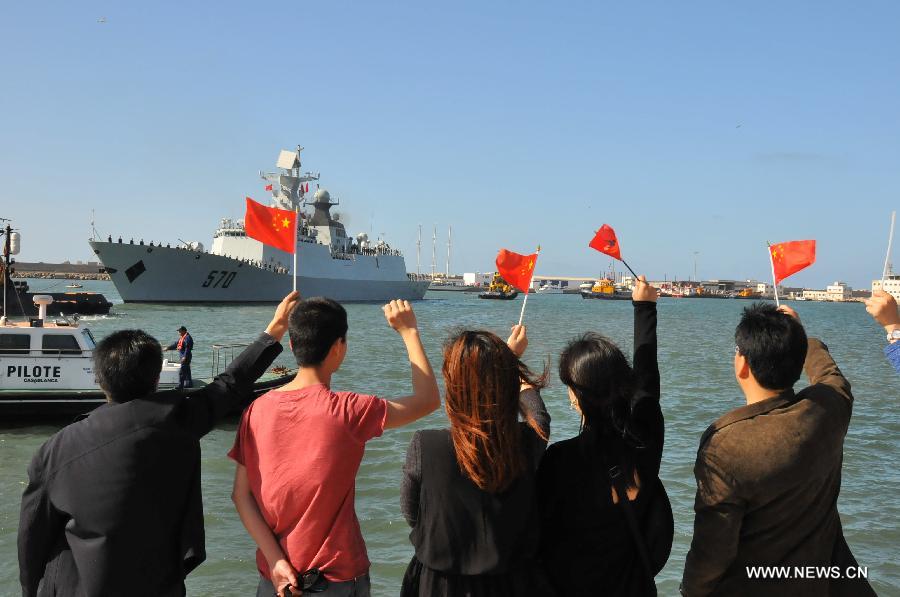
(59,271)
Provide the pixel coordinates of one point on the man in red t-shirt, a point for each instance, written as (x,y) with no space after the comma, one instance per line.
(298,449)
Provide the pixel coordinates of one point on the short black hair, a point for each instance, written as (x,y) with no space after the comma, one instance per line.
(314,326)
(127,365)
(774,345)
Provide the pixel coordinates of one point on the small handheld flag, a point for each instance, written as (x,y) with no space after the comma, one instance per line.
(268,187)
(271,226)
(789,258)
(518,271)
(606,242)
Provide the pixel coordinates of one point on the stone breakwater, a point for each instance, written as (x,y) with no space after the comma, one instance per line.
(59,271)
(59,275)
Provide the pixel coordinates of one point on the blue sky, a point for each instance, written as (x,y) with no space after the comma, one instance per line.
(702,126)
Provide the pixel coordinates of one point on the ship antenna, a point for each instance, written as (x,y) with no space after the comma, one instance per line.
(419,253)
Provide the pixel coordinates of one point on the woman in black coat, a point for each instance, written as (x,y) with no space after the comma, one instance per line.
(587,547)
(469,491)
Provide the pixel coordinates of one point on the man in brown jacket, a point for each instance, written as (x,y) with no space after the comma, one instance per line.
(769,473)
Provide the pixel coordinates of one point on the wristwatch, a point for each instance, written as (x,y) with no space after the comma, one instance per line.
(894,335)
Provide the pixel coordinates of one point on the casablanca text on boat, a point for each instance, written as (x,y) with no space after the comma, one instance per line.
(240,269)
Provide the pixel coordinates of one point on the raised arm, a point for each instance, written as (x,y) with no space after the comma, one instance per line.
(41,527)
(646,368)
(232,389)
(425,397)
(883,309)
(819,366)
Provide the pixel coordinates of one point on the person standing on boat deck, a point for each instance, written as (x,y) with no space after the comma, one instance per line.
(468,492)
(769,473)
(185,348)
(587,545)
(298,449)
(113,503)
(883,309)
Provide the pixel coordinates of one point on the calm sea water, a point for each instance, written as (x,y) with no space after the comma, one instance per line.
(695,353)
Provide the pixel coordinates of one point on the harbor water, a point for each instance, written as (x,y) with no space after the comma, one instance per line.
(695,353)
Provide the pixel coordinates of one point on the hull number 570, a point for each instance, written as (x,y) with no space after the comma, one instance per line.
(219,279)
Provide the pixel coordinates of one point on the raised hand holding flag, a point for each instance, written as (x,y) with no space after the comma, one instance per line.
(518,271)
(606,242)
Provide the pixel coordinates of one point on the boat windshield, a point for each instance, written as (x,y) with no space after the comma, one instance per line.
(89,341)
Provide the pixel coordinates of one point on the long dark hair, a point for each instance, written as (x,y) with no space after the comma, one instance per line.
(599,375)
(482,378)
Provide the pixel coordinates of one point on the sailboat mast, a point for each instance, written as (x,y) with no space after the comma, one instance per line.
(433,247)
(449,235)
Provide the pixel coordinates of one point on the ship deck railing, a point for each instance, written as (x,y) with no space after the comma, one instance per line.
(223,354)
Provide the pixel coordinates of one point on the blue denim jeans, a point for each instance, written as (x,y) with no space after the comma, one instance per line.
(358,587)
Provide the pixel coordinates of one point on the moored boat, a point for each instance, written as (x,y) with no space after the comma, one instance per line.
(605,290)
(46,368)
(499,290)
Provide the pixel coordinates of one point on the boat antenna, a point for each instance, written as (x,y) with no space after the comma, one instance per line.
(7,249)
(93,229)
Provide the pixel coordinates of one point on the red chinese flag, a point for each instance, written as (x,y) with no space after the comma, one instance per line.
(791,257)
(516,269)
(272,226)
(605,241)
(268,187)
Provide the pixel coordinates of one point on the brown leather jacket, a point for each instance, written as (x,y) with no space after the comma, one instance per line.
(768,478)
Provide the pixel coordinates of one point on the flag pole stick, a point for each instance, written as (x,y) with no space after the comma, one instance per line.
(530,282)
(296,233)
(887,258)
(629,268)
(774,283)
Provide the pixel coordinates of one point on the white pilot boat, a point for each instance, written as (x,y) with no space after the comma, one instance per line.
(46,367)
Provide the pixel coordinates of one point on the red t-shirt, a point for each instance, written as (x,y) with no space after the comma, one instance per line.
(302,449)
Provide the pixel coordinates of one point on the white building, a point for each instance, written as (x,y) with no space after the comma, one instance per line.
(477,279)
(838,291)
(891,285)
(815,295)
(767,290)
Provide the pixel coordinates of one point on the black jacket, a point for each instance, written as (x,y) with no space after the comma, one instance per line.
(113,504)
(586,545)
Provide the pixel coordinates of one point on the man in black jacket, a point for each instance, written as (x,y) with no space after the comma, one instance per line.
(113,504)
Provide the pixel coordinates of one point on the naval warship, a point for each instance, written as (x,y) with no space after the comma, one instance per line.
(239,269)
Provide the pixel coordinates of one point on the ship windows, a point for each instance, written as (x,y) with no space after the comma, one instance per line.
(15,343)
(60,343)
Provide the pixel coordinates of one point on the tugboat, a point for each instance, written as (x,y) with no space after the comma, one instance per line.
(499,290)
(605,289)
(46,368)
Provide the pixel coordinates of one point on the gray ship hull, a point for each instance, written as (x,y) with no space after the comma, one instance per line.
(145,274)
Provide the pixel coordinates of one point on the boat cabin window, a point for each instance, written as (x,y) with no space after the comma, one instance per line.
(60,343)
(15,343)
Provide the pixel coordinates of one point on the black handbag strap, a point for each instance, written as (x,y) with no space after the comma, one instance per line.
(615,476)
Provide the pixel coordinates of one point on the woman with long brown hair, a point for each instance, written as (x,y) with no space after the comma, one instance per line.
(469,491)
